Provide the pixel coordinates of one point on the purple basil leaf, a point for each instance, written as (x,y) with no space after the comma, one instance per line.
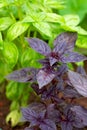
(62,69)
(23,75)
(55,56)
(66,37)
(72,118)
(29,115)
(44,78)
(81,113)
(78,122)
(81,70)
(60,48)
(44,62)
(37,107)
(48,124)
(51,93)
(39,45)
(52,60)
(53,113)
(32,112)
(36,117)
(79,82)
(38,120)
(66,125)
(48,93)
(73,57)
(71,92)
(68,112)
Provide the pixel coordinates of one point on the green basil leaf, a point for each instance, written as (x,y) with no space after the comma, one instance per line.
(43,28)
(30,58)
(28,19)
(13,117)
(14,90)
(82,42)
(72,20)
(53,17)
(10,53)
(67,27)
(16,30)
(5,22)
(35,17)
(80,30)
(54,4)
(11,90)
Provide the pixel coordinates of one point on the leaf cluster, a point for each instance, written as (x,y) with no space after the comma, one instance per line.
(60,90)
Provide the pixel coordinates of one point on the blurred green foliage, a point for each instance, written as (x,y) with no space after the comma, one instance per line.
(78,7)
(44,19)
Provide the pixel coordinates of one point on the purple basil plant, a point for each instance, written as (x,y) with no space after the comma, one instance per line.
(60,89)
